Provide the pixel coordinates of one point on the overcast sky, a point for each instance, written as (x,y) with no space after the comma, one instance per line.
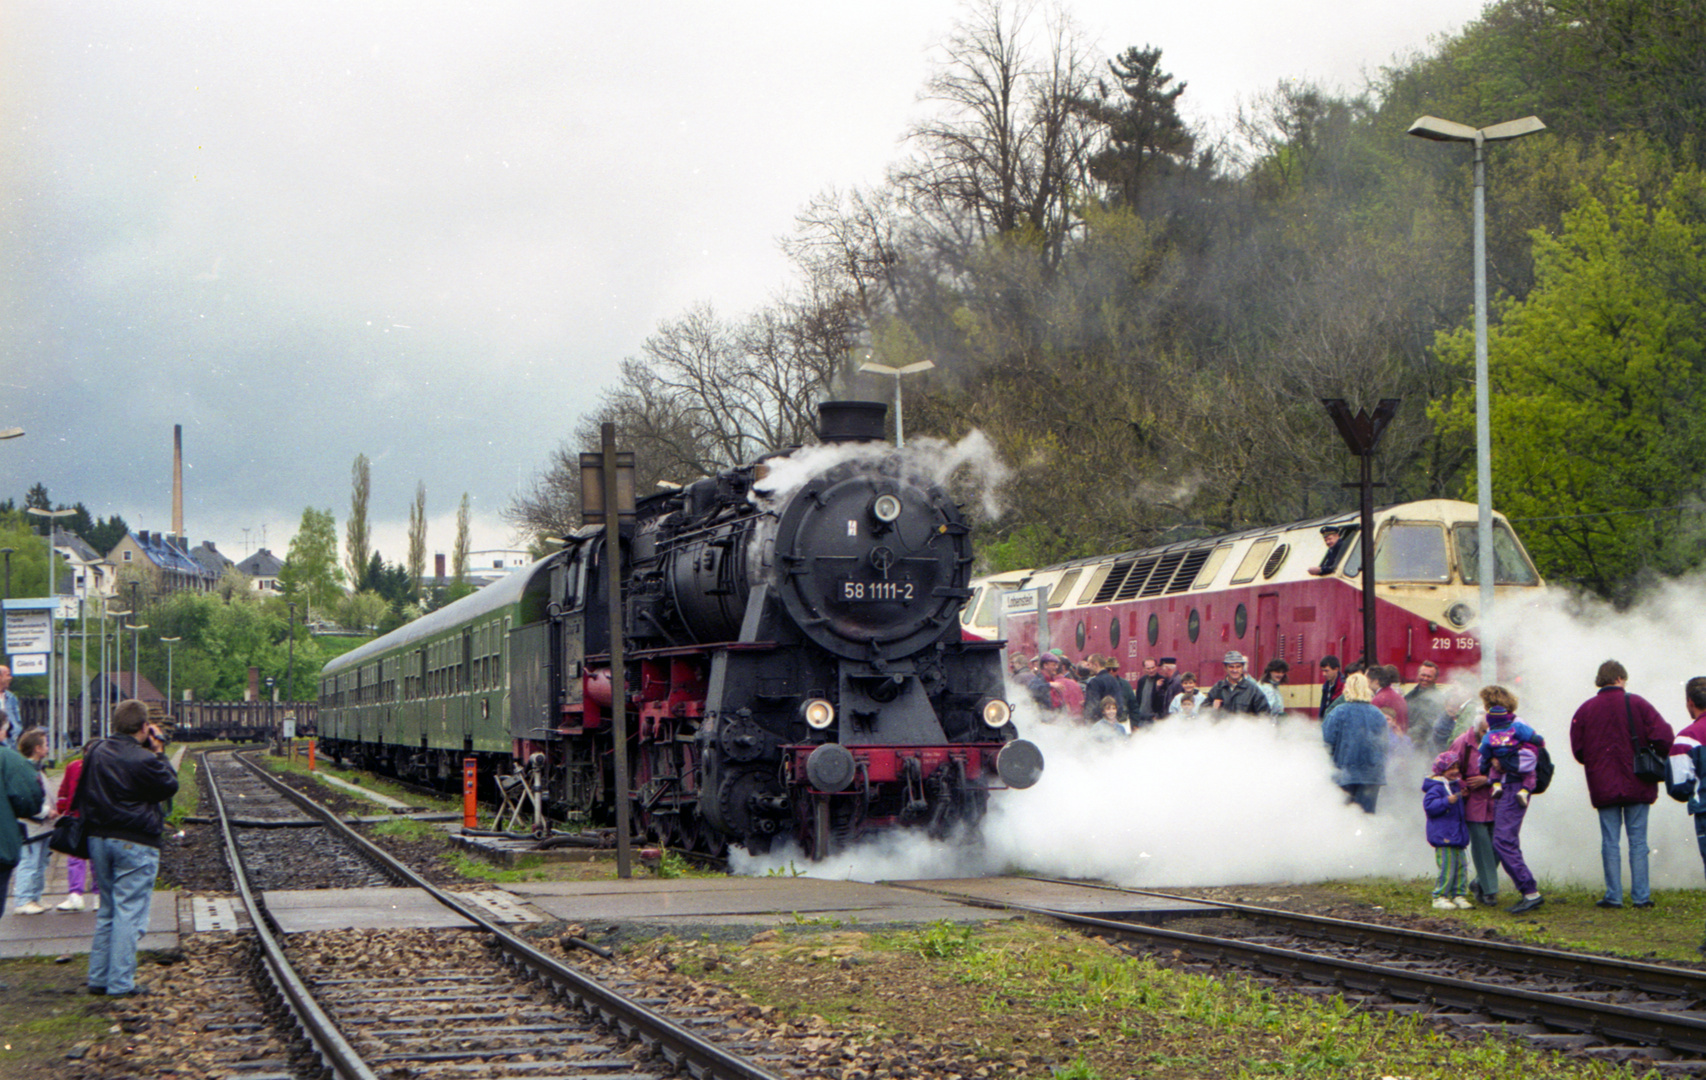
(429,231)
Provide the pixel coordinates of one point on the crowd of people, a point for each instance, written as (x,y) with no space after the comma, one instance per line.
(121,788)
(1487,764)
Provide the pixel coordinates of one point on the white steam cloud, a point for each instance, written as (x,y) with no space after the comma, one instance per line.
(973,459)
(1244,800)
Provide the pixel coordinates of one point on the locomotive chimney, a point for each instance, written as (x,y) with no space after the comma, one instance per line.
(851,421)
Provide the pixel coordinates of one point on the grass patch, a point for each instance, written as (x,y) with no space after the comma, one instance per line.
(366,781)
(45,1015)
(526,868)
(1032,999)
(1669,931)
(406,829)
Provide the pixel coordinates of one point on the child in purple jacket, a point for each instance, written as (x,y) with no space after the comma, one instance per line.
(1448,832)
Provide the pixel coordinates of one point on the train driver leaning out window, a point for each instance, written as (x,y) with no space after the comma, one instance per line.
(1334,538)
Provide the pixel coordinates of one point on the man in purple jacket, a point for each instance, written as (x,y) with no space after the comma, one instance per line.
(1601,739)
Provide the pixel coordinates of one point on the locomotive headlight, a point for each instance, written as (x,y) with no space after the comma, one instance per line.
(886,509)
(818,713)
(995,712)
(1459,614)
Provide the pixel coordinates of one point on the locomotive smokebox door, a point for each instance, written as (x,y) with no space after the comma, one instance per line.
(889,706)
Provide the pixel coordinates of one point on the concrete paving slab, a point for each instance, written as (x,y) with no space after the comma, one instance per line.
(761,902)
(1061,896)
(58,933)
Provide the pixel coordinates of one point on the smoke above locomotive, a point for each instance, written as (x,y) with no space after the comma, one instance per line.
(794,663)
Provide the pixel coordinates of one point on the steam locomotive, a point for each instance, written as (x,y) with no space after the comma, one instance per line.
(793,660)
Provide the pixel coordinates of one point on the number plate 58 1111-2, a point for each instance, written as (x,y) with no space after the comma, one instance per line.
(857,591)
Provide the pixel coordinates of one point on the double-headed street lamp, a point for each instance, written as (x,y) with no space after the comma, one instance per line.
(1432,127)
(171,712)
(118,663)
(136,660)
(897,372)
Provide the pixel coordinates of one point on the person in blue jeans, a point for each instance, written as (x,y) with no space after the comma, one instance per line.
(125,781)
(1603,734)
(31,877)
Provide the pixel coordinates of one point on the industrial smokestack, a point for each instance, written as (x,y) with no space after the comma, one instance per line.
(438,564)
(177,479)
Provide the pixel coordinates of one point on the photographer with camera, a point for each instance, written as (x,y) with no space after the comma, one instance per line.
(125,780)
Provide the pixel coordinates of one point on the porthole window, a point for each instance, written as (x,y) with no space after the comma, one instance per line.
(1193,626)
(1080,635)
(1154,629)
(1240,620)
(1114,633)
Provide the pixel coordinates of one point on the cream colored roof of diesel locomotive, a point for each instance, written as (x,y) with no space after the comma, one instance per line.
(1303,539)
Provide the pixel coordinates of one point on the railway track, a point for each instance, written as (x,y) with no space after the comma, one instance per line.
(417,1002)
(1596,1006)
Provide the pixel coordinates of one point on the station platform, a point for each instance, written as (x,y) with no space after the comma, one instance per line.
(673,904)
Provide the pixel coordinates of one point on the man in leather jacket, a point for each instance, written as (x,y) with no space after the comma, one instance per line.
(125,779)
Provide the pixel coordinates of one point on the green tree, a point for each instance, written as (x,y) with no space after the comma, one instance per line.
(1598,380)
(355,528)
(310,576)
(1145,133)
(417,541)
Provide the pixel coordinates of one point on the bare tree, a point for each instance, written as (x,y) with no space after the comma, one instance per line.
(417,539)
(355,529)
(1009,146)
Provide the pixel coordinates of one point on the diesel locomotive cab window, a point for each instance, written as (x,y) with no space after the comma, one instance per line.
(1412,551)
(1253,559)
(1510,560)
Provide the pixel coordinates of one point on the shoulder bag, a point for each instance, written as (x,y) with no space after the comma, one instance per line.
(1650,765)
(69,835)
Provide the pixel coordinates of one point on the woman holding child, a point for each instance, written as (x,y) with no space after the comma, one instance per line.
(1508,759)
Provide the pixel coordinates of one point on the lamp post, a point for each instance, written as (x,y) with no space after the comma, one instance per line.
(290,653)
(136,659)
(171,712)
(897,372)
(54,721)
(118,665)
(1432,127)
(5,654)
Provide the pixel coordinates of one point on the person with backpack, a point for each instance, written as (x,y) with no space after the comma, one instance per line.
(1510,752)
(1608,734)
(1478,813)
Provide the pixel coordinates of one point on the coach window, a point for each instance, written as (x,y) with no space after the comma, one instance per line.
(1193,626)
(1412,551)
(1253,559)
(1154,629)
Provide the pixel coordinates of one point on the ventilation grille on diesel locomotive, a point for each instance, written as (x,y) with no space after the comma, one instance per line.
(1111,584)
(1186,576)
(1163,573)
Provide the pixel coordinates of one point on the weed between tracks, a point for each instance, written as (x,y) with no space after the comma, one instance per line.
(1028,999)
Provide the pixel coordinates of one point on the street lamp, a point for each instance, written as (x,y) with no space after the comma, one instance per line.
(897,372)
(54,675)
(52,588)
(7,554)
(136,660)
(1432,127)
(118,663)
(169,642)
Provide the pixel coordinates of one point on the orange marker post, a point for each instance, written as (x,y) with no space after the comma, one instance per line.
(311,743)
(470,782)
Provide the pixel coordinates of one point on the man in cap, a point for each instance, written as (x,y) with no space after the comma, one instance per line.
(1333,537)
(1237,692)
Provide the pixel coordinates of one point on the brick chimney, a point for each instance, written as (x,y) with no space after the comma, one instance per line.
(177,480)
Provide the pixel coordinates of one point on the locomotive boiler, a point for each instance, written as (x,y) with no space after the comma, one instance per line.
(793,659)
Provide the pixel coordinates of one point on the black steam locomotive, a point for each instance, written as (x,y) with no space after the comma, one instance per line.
(793,660)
